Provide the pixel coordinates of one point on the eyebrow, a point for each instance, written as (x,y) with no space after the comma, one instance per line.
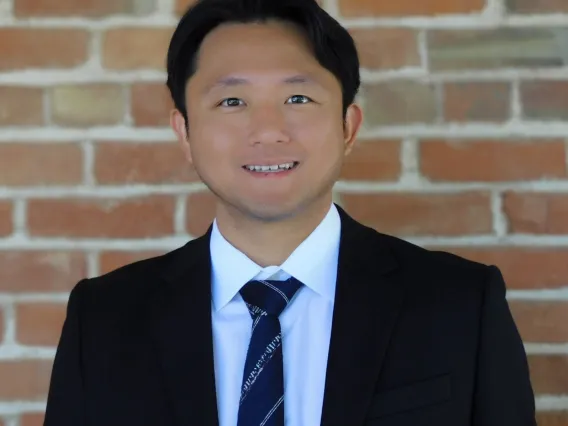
(232,81)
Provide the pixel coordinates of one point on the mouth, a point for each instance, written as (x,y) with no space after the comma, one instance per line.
(263,169)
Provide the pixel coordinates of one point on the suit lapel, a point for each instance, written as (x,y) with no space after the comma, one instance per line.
(368,299)
(183,335)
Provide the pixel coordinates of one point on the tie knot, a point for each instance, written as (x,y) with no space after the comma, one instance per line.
(269,296)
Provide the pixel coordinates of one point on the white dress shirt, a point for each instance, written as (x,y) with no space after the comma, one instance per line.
(306,322)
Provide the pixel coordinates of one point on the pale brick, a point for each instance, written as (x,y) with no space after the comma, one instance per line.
(399,102)
(496,48)
(88,105)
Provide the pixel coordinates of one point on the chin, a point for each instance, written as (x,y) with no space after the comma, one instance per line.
(273,211)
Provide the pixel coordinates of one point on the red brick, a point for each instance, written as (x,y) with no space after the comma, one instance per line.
(545,100)
(42,48)
(32,419)
(21,106)
(110,261)
(200,210)
(364,8)
(492,160)
(6,223)
(540,321)
(39,324)
(400,102)
(537,6)
(87,8)
(386,48)
(494,48)
(40,271)
(88,105)
(549,373)
(151,105)
(552,418)
(146,217)
(61,164)
(536,213)
(182,5)
(132,48)
(483,102)
(524,268)
(143,163)
(24,380)
(373,160)
(422,214)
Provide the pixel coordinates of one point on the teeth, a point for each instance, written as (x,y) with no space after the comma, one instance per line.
(271,168)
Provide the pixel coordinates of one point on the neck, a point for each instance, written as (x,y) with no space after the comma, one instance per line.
(269,243)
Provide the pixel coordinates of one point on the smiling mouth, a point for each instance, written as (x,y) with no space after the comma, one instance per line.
(273,168)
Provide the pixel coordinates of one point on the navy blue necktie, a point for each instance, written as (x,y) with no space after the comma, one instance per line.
(262,393)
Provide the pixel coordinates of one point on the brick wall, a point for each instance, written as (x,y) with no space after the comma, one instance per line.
(465,149)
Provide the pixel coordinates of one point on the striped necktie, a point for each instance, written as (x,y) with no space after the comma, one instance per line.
(262,393)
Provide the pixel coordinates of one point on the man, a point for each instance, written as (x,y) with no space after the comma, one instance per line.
(287,311)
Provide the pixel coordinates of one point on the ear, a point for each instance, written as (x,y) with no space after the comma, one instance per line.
(178,124)
(353,122)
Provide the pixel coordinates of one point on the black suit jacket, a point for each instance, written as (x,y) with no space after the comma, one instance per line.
(419,338)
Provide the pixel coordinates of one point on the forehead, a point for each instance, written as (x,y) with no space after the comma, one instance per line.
(260,52)
(255,44)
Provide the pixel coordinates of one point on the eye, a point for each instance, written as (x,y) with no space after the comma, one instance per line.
(298,99)
(231,102)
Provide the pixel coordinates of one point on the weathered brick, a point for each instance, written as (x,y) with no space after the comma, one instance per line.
(151,105)
(523,268)
(32,419)
(88,105)
(537,6)
(61,164)
(489,102)
(492,160)
(6,221)
(545,100)
(361,8)
(146,217)
(148,163)
(373,160)
(87,8)
(552,418)
(112,260)
(39,324)
(386,48)
(132,48)
(496,48)
(540,321)
(549,374)
(200,210)
(422,214)
(42,48)
(24,380)
(40,271)
(21,106)
(536,213)
(399,102)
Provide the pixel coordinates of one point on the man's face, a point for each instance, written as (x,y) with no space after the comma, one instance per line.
(260,98)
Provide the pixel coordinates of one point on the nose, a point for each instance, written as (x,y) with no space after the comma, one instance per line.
(268,125)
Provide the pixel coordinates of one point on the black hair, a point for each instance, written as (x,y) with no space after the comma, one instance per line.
(332,45)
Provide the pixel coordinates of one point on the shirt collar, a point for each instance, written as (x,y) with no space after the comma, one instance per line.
(231,268)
